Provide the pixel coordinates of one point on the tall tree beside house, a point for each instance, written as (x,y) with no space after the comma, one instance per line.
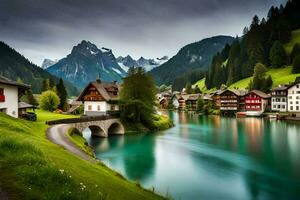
(277,55)
(45,85)
(137,97)
(260,80)
(30,98)
(296,64)
(188,88)
(62,94)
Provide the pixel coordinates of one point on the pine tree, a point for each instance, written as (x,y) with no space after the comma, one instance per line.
(277,55)
(62,94)
(188,88)
(45,85)
(30,98)
(137,97)
(295,52)
(296,64)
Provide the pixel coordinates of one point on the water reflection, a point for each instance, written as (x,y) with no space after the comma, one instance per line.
(211,158)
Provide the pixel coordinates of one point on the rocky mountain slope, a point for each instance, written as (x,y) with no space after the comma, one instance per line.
(87,62)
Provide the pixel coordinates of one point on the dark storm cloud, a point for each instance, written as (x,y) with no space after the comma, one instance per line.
(49,28)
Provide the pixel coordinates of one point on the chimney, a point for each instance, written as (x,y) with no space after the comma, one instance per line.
(98,80)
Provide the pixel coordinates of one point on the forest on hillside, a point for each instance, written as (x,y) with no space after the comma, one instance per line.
(262,42)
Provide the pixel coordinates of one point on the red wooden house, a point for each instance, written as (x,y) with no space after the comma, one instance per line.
(256,102)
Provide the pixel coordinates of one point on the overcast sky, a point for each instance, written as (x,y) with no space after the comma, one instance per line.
(151,28)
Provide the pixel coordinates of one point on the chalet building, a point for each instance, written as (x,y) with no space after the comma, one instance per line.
(100,98)
(179,101)
(293,97)
(279,99)
(191,102)
(216,98)
(164,99)
(230,101)
(10,93)
(256,102)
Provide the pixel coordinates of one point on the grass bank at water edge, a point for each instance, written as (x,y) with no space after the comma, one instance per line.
(31,167)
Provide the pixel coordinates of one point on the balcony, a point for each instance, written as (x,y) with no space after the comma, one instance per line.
(2,98)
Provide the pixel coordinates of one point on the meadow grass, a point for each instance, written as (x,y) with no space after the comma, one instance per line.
(279,76)
(34,168)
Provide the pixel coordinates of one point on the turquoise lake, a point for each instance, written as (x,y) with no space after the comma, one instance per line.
(210,158)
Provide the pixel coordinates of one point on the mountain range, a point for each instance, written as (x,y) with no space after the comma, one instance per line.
(15,66)
(193,56)
(148,64)
(87,62)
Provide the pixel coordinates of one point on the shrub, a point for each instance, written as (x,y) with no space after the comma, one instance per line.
(49,100)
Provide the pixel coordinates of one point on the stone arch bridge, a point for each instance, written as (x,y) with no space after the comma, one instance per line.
(100,126)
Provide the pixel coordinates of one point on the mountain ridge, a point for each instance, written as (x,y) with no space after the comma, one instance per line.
(197,55)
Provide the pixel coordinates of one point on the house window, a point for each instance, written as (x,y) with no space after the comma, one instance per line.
(89,107)
(98,108)
(283,106)
(297,107)
(1,91)
(291,102)
(291,108)
(274,106)
(112,107)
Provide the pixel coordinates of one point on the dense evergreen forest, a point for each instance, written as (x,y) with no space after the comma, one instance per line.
(262,42)
(16,67)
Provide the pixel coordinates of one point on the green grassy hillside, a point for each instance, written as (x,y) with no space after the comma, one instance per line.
(279,76)
(31,167)
(294,39)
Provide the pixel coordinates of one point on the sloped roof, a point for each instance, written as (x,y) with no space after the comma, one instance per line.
(6,81)
(25,105)
(193,97)
(260,93)
(280,88)
(293,84)
(236,92)
(104,89)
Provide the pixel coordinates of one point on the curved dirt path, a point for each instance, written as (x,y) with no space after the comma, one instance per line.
(58,135)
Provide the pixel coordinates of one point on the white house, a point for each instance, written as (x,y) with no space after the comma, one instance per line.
(10,92)
(100,98)
(279,99)
(293,97)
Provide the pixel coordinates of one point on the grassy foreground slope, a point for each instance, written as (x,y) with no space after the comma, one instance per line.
(31,167)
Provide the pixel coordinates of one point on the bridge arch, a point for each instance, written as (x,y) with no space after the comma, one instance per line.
(115,128)
(97,131)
